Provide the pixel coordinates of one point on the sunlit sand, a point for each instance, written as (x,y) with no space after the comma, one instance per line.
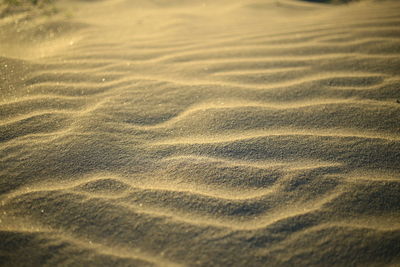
(200,133)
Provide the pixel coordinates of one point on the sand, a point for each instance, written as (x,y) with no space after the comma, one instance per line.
(200,133)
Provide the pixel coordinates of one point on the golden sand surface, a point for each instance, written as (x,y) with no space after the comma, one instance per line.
(200,133)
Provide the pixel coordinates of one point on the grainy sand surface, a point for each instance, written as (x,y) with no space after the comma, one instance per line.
(201,133)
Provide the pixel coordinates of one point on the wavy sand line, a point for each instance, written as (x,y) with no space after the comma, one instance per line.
(238,73)
(177,52)
(323,78)
(287,165)
(124,185)
(227,104)
(231,196)
(191,217)
(259,134)
(294,59)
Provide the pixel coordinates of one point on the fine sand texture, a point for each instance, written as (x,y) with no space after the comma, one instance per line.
(200,133)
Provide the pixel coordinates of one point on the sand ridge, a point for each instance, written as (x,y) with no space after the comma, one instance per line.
(201,133)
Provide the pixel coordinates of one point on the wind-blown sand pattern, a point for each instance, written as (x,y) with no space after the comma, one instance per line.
(201,133)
